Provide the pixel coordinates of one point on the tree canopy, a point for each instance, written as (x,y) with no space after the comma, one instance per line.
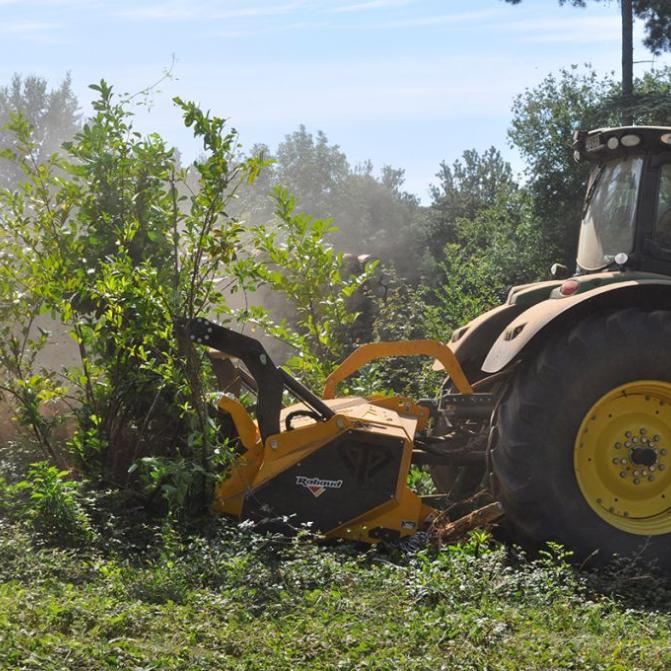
(371,212)
(51,114)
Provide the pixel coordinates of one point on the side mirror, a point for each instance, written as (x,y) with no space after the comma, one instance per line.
(559,271)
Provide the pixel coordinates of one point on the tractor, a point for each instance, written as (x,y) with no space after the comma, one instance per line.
(560,399)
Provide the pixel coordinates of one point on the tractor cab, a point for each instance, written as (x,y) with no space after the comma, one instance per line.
(626,220)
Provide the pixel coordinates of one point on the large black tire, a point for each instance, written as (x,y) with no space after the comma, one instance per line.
(538,419)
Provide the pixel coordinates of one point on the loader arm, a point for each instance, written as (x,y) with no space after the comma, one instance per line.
(271,381)
(402,348)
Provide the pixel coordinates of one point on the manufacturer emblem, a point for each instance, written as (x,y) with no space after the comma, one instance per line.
(317,486)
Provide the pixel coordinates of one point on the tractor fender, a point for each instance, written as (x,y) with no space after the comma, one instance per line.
(541,320)
(471,342)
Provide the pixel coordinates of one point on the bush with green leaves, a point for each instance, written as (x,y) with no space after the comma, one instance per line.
(119,243)
(50,503)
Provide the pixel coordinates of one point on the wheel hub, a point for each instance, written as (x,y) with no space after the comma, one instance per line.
(643,456)
(621,457)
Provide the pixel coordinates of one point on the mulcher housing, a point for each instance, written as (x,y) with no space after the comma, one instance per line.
(340,465)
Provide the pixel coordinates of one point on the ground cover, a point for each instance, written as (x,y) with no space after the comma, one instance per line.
(235,599)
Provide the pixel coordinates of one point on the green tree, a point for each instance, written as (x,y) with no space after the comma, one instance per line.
(51,114)
(470,185)
(372,214)
(313,169)
(496,249)
(297,261)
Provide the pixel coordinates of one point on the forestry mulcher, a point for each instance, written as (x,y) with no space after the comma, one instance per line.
(560,399)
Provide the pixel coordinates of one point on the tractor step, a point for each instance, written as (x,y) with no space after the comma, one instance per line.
(468,406)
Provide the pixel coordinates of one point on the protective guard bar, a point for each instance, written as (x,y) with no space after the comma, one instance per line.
(270,380)
(380,350)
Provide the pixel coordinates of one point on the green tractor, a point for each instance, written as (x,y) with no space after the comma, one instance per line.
(576,371)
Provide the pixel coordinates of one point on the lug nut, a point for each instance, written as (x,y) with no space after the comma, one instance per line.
(661,467)
(651,478)
(627,444)
(643,431)
(655,437)
(637,481)
(637,473)
(628,434)
(618,446)
(623,462)
(616,460)
(635,439)
(623,474)
(663,452)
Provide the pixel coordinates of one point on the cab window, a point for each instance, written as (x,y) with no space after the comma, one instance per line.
(662,233)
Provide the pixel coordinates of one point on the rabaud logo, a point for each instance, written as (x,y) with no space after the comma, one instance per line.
(317,486)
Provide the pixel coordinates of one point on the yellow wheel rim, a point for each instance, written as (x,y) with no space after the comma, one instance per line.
(622,457)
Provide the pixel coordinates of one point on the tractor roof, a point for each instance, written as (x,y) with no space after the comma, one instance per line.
(604,144)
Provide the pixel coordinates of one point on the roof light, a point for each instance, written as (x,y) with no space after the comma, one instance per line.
(666,138)
(631,140)
(569,287)
(613,143)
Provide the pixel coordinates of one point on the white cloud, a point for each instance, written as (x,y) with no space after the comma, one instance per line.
(271,29)
(370,5)
(28,29)
(440,19)
(185,10)
(575,29)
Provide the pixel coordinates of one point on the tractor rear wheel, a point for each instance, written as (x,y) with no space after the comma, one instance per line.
(581,448)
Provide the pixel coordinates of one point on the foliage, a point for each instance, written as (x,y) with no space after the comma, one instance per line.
(404,312)
(311,168)
(491,241)
(52,116)
(372,213)
(497,249)
(105,242)
(471,184)
(241,600)
(51,503)
(297,262)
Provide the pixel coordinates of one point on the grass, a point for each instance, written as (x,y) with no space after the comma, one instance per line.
(239,600)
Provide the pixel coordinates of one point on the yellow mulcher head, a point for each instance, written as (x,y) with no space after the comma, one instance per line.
(338,464)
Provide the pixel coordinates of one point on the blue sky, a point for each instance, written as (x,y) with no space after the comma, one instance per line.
(402,82)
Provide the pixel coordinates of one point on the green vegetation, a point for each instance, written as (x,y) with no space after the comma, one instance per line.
(108,558)
(237,600)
